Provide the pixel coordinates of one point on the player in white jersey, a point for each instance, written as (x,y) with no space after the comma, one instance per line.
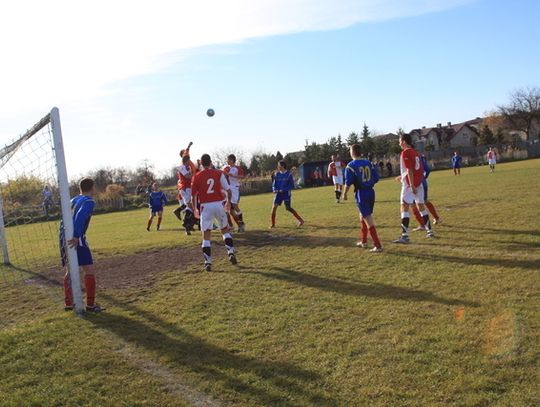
(491,159)
(335,170)
(235,174)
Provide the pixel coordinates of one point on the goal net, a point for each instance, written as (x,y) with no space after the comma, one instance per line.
(34,204)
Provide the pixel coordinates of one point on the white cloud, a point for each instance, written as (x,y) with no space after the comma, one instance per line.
(72,49)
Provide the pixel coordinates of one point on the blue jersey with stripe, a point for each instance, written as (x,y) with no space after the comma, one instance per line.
(82,207)
(427,168)
(157,199)
(361,173)
(283,181)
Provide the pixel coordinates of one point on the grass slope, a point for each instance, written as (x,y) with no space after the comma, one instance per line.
(306,318)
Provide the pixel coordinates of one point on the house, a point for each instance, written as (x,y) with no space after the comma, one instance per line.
(451,135)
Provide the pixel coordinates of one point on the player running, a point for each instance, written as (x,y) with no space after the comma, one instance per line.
(234,175)
(412,190)
(82,207)
(156,200)
(282,185)
(335,170)
(456,163)
(363,175)
(207,186)
(491,159)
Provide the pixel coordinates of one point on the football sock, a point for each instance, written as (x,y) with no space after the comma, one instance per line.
(425,216)
(417,216)
(90,284)
(149,223)
(374,236)
(273,218)
(363,236)
(405,223)
(240,217)
(295,214)
(159,221)
(207,251)
(432,210)
(229,245)
(337,194)
(68,295)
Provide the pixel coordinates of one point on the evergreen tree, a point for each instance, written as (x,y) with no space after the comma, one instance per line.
(352,139)
(486,136)
(367,142)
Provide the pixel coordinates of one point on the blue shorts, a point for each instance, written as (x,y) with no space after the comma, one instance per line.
(283,197)
(84,255)
(365,201)
(155,209)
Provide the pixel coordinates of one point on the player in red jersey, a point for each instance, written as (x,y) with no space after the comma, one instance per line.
(335,170)
(234,175)
(207,185)
(491,157)
(412,190)
(185,175)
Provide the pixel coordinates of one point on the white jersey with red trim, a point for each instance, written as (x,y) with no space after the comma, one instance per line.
(233,172)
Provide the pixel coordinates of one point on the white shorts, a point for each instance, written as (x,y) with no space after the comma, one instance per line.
(492,161)
(408,197)
(338,179)
(210,211)
(186,195)
(235,195)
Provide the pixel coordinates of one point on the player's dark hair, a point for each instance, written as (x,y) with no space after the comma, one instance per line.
(357,150)
(86,184)
(206,160)
(185,159)
(283,164)
(231,157)
(406,137)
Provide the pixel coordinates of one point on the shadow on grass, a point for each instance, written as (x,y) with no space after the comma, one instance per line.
(502,232)
(374,290)
(283,237)
(268,382)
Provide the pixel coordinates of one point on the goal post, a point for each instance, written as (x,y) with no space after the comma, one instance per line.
(33,161)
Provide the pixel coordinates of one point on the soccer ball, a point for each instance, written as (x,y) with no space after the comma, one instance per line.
(210,112)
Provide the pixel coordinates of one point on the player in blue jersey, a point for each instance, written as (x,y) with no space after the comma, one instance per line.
(429,205)
(363,175)
(156,200)
(282,185)
(456,163)
(82,206)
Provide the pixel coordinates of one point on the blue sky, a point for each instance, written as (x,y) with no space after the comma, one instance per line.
(274,78)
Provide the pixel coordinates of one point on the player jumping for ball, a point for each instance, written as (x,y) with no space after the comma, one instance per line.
(282,185)
(412,175)
(156,200)
(363,175)
(235,175)
(207,186)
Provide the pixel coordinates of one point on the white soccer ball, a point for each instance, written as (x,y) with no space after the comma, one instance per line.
(210,112)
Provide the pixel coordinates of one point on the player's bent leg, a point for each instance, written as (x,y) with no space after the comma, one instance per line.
(405,218)
(273,216)
(159,219)
(294,213)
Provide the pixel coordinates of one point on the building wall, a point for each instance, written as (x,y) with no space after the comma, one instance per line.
(462,138)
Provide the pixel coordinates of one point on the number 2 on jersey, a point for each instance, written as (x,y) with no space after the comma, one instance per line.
(210,183)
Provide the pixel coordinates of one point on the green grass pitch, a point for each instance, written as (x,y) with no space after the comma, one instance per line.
(306,318)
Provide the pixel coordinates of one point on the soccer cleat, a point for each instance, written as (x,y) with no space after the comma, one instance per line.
(300,223)
(94,308)
(207,266)
(376,249)
(419,228)
(362,245)
(337,200)
(157,228)
(232,259)
(241,227)
(437,221)
(188,232)
(148,228)
(68,308)
(402,239)
(271,226)
(430,234)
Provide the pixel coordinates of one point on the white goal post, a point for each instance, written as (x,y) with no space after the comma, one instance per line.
(50,126)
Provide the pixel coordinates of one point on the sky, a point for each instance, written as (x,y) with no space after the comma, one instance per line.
(133,79)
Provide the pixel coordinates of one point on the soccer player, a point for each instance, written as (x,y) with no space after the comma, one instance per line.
(363,175)
(207,186)
(282,185)
(335,170)
(82,206)
(491,159)
(156,200)
(429,204)
(412,190)
(185,173)
(47,199)
(456,163)
(235,174)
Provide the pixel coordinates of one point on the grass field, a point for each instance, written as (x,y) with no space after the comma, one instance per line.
(306,318)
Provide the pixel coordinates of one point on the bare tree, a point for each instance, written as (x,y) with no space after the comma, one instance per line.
(219,157)
(523,109)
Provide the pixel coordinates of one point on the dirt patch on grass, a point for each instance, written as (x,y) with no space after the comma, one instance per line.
(137,270)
